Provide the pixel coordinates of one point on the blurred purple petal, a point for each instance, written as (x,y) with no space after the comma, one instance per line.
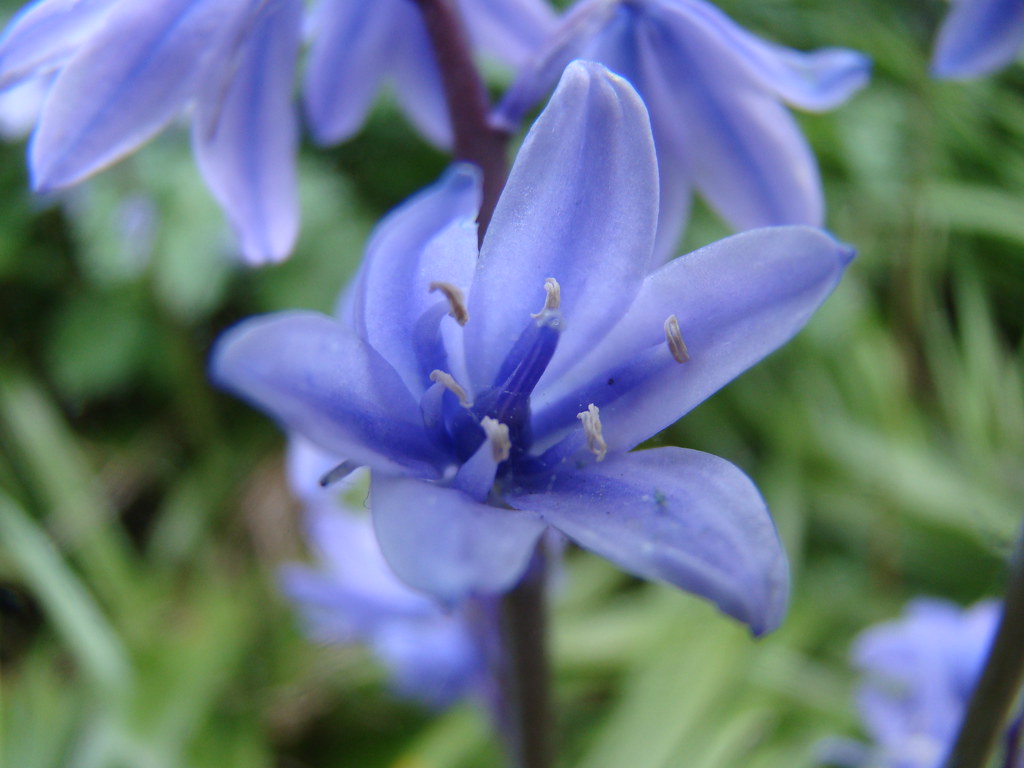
(509,30)
(125,84)
(246,138)
(979,37)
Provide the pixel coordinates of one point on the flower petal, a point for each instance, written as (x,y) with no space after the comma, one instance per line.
(580,205)
(417,79)
(125,85)
(736,301)
(348,60)
(43,34)
(671,514)
(818,80)
(440,541)
(979,37)
(742,149)
(510,30)
(430,238)
(246,136)
(319,379)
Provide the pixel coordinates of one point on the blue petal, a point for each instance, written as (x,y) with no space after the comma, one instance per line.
(246,136)
(126,84)
(348,60)
(417,79)
(736,301)
(741,148)
(430,238)
(571,39)
(44,34)
(684,517)
(979,37)
(581,206)
(440,541)
(818,80)
(317,378)
(509,30)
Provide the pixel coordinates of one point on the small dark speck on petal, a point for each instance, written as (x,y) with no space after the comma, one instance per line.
(611,381)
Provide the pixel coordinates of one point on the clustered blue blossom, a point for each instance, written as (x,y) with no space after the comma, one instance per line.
(918,674)
(978,37)
(714,93)
(496,392)
(350,595)
(117,72)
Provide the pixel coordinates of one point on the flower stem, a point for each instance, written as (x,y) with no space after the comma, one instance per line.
(476,139)
(1000,681)
(522,670)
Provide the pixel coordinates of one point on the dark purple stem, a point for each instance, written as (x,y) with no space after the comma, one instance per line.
(522,668)
(476,140)
(1001,679)
(1014,757)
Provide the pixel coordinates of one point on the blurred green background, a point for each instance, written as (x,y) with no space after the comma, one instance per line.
(143,515)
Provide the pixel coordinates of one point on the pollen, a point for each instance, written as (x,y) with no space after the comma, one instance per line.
(448,381)
(456,300)
(497,436)
(591,419)
(674,337)
(554,298)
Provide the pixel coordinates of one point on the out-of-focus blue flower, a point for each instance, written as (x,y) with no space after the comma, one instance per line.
(714,93)
(978,37)
(357,46)
(351,595)
(496,392)
(122,70)
(919,673)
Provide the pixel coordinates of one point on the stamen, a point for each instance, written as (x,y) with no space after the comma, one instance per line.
(497,434)
(591,419)
(674,337)
(340,472)
(456,299)
(553,299)
(448,382)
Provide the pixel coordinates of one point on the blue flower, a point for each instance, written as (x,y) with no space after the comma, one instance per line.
(494,393)
(713,91)
(122,71)
(978,37)
(919,673)
(351,595)
(358,46)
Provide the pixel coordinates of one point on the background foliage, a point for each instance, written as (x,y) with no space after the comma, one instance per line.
(143,515)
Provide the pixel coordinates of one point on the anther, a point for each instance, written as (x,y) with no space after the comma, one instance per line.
(554,298)
(497,435)
(340,472)
(456,300)
(591,419)
(674,337)
(447,381)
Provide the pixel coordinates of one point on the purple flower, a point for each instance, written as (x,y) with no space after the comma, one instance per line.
(123,70)
(358,46)
(978,37)
(499,392)
(919,673)
(351,595)
(713,91)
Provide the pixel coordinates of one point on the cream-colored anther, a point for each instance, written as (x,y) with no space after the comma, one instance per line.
(456,300)
(554,298)
(674,337)
(497,436)
(448,382)
(591,419)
